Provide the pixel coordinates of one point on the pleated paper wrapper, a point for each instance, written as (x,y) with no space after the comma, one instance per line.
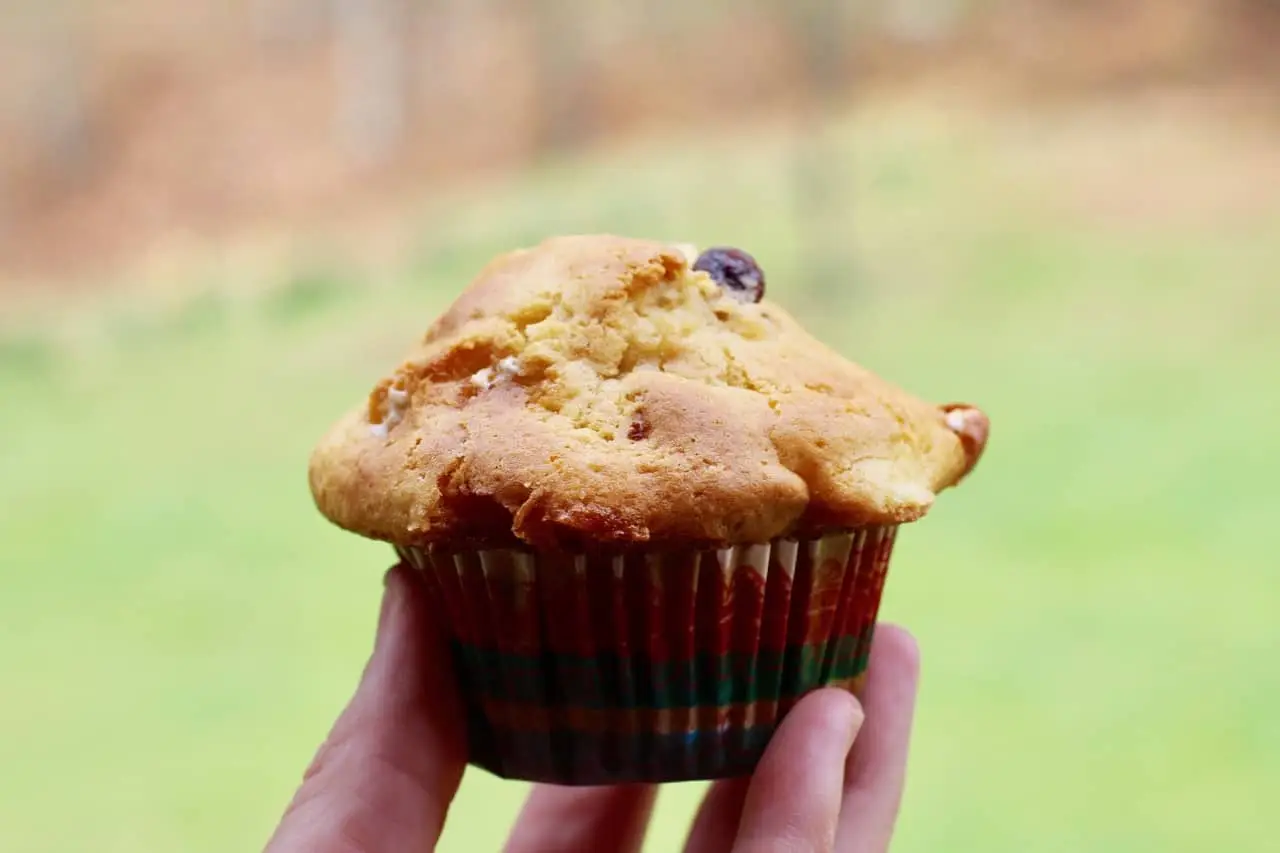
(651,667)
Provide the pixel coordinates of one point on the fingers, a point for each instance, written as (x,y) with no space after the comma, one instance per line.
(383,781)
(878,764)
(716,824)
(571,819)
(793,803)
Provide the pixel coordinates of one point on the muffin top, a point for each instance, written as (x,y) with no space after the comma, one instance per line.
(597,390)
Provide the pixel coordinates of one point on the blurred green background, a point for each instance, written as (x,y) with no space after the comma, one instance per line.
(1098,266)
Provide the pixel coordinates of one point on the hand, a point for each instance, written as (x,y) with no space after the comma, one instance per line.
(383,781)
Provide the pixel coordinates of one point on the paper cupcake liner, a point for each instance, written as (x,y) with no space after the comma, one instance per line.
(651,667)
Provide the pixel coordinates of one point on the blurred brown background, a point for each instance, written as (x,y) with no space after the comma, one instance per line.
(126,123)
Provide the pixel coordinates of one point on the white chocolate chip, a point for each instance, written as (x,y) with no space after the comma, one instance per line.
(506,370)
(393,406)
(390,422)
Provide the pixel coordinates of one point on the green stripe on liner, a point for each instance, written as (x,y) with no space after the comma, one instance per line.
(609,681)
(568,756)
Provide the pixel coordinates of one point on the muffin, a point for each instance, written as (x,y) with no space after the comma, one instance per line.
(652,510)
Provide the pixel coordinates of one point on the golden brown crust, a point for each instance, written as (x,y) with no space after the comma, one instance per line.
(594,390)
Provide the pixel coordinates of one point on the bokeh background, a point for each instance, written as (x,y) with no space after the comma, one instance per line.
(221,221)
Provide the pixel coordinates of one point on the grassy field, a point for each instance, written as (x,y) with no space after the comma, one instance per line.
(1096,608)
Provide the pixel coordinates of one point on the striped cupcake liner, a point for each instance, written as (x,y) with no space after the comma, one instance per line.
(651,667)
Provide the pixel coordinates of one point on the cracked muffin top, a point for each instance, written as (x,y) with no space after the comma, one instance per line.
(597,390)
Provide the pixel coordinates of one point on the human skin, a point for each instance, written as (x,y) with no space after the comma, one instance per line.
(831,779)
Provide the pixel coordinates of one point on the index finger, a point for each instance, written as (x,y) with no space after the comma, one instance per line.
(384,779)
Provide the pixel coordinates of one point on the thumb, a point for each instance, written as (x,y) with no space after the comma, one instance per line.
(384,778)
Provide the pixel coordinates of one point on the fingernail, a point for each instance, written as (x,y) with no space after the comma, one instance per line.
(850,718)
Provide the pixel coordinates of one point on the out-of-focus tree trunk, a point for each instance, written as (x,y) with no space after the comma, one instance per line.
(820,26)
(44,106)
(62,117)
(287,22)
(57,111)
(440,35)
(820,177)
(374,73)
(923,21)
(557,40)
